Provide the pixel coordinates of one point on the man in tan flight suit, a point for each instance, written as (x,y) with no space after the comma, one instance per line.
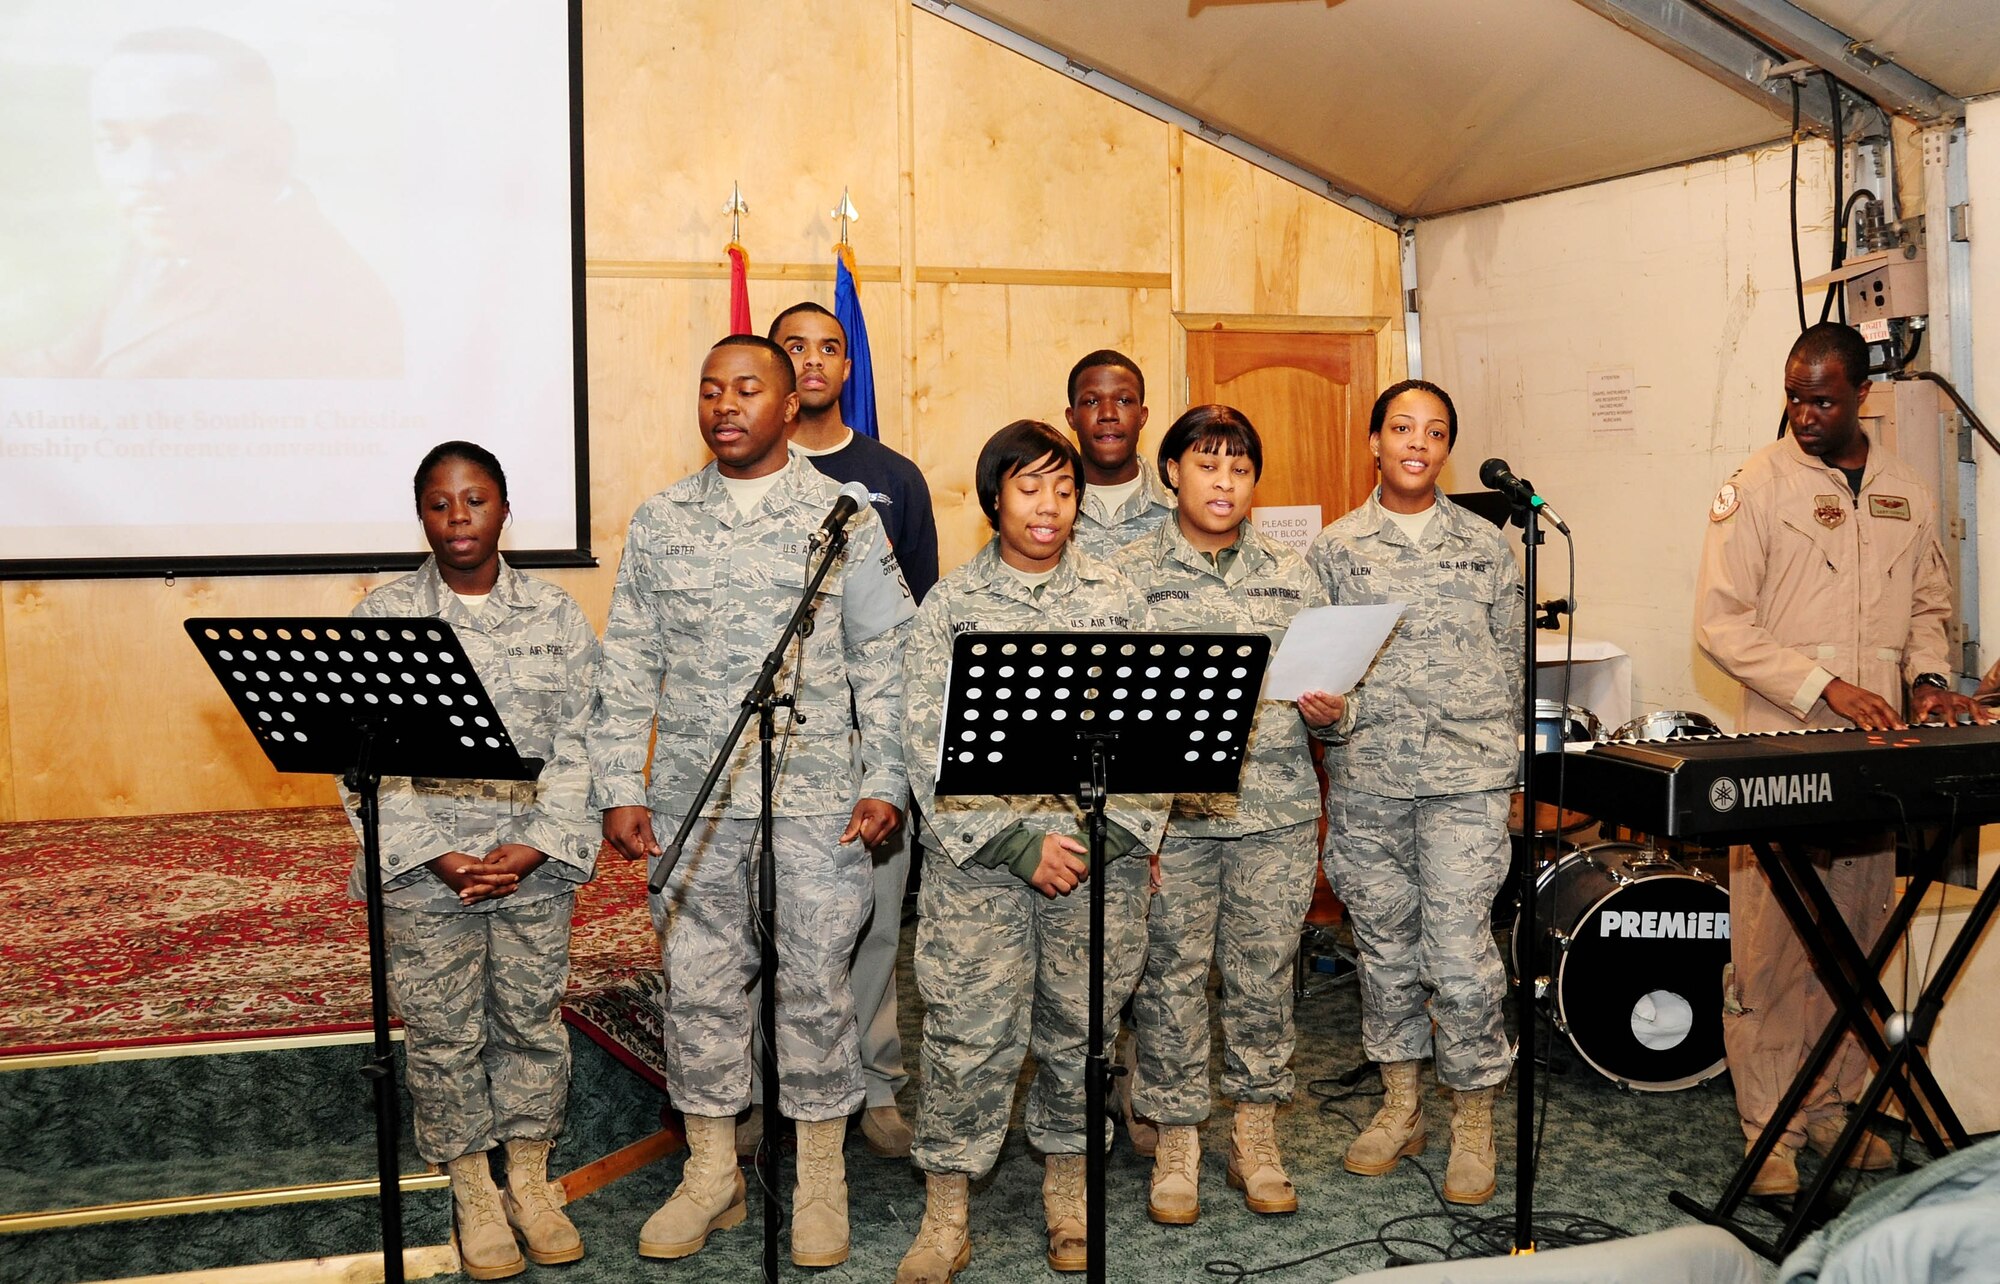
(1824,591)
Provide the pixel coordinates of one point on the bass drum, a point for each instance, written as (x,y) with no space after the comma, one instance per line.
(1632,948)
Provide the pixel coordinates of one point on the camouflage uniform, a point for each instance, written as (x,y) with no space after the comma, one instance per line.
(1236,870)
(1001,967)
(1417,800)
(1101,532)
(701,596)
(479,987)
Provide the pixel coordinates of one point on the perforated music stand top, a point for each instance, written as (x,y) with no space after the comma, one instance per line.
(309,686)
(1172,709)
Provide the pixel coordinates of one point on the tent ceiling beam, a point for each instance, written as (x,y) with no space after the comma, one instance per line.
(1850,61)
(1721,52)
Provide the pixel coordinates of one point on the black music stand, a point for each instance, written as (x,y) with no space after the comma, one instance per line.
(1853,982)
(1055,713)
(363,699)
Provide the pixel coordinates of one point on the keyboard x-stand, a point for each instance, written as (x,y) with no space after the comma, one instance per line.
(1751,788)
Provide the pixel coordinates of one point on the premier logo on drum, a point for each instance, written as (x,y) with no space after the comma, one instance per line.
(1798,789)
(1660,925)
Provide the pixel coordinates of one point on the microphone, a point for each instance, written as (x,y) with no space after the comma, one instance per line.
(852,496)
(1495,475)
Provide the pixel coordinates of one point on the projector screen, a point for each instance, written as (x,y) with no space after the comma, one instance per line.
(259,257)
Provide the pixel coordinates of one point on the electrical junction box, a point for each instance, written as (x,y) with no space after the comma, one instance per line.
(1882,286)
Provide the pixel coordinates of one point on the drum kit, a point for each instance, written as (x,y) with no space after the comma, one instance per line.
(1633,936)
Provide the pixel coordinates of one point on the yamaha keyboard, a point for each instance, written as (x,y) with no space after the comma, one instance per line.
(1744,786)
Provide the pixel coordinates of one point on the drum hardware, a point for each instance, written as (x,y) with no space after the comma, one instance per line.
(1557,724)
(1666,724)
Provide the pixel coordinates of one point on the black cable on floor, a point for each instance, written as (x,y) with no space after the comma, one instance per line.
(1468,1235)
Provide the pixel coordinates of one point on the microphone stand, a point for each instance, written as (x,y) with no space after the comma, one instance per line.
(1524,878)
(762,702)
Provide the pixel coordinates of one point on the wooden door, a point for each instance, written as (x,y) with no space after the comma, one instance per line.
(1308,393)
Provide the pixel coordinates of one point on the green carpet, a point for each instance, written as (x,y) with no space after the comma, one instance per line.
(128,1130)
(125,1128)
(1607,1154)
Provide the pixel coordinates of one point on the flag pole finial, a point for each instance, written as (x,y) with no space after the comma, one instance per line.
(736,207)
(845,212)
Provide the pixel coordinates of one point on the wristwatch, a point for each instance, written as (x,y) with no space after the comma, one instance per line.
(1937,680)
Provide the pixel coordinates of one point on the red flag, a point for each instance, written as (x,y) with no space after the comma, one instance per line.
(739,290)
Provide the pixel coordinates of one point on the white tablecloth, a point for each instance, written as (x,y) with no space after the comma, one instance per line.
(1600,676)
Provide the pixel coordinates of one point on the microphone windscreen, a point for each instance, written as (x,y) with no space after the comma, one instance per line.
(858,492)
(1492,471)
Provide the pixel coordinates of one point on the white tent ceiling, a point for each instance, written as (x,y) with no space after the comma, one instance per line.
(1429,106)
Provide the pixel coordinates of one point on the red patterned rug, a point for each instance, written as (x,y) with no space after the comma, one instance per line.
(219,925)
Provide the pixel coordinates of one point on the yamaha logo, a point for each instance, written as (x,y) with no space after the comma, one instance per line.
(1722,794)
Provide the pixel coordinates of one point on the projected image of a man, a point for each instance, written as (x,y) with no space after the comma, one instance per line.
(231,270)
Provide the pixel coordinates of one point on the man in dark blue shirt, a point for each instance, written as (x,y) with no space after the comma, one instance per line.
(818,348)
(902,497)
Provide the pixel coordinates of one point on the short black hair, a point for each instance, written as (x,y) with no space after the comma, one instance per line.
(1395,390)
(1832,341)
(1018,448)
(770,347)
(807,306)
(472,453)
(1105,357)
(1222,430)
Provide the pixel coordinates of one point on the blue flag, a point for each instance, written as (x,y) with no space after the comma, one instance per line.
(857,396)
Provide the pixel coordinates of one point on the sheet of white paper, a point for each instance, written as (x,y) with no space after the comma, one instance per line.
(1328,648)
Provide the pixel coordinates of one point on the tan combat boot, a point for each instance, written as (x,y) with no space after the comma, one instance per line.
(749,1133)
(1254,1165)
(819,1201)
(1142,1132)
(1468,1175)
(709,1198)
(1778,1174)
(1063,1206)
(1175,1196)
(885,1133)
(486,1247)
(944,1244)
(1872,1155)
(534,1209)
(1397,1128)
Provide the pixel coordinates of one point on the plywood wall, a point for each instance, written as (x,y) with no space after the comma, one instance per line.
(1012,219)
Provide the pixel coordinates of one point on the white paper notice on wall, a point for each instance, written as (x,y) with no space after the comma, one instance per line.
(1293,525)
(1612,393)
